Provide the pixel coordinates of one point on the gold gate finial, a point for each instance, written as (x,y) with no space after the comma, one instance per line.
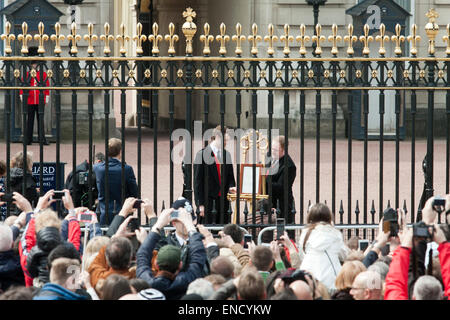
(414,38)
(397,38)
(189,28)
(238,38)
(206,38)
(106,38)
(318,39)
(90,38)
(334,39)
(139,38)
(447,39)
(41,37)
(350,38)
(286,38)
(271,39)
(432,29)
(24,37)
(57,38)
(8,37)
(254,38)
(222,38)
(302,38)
(121,38)
(381,38)
(366,39)
(74,37)
(155,38)
(171,38)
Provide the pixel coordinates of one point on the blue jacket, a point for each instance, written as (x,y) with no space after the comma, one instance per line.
(173,290)
(10,270)
(52,291)
(115,186)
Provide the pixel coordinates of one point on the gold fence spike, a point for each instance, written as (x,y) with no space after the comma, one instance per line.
(238,38)
(270,38)
(413,39)
(286,38)
(155,38)
(254,38)
(381,38)
(106,38)
(24,37)
(334,39)
(398,38)
(318,39)
(90,38)
(57,38)
(206,39)
(350,38)
(302,38)
(447,39)
(432,29)
(171,38)
(222,38)
(121,38)
(365,39)
(41,37)
(139,38)
(8,37)
(189,28)
(74,37)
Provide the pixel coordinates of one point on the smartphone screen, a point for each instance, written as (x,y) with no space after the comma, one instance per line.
(280,228)
(58,195)
(363,244)
(247,239)
(86,217)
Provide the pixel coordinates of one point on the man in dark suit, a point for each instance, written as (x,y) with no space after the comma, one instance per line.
(282,162)
(207,165)
(114,181)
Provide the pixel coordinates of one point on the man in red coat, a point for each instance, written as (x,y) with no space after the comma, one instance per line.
(33,100)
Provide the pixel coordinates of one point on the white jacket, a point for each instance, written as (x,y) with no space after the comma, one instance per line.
(323,250)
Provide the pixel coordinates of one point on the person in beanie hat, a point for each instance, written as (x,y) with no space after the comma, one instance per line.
(34,98)
(169,279)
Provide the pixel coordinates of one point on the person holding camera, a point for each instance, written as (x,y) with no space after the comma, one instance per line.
(169,279)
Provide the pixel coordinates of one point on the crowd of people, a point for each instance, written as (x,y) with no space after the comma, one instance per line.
(44,257)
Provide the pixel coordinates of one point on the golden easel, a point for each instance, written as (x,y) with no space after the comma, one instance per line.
(246,144)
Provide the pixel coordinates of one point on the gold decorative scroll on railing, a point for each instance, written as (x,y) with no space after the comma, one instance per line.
(189,29)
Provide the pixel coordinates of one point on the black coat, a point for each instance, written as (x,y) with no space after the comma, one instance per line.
(284,163)
(11,272)
(82,189)
(31,193)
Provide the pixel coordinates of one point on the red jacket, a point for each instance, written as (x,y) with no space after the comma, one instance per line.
(444,258)
(33,95)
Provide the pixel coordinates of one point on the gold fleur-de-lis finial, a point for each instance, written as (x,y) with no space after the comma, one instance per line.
(350,38)
(381,38)
(8,37)
(121,38)
(254,38)
(432,29)
(57,38)
(365,39)
(397,38)
(155,38)
(106,38)
(222,38)
(302,38)
(41,37)
(171,38)
(24,37)
(238,38)
(74,37)
(206,39)
(447,39)
(286,38)
(413,39)
(334,39)
(139,38)
(270,38)
(318,39)
(189,28)
(90,38)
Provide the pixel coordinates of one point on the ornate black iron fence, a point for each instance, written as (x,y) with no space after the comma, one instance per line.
(188,75)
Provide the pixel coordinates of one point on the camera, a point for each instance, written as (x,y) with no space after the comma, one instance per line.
(7,197)
(247,239)
(280,228)
(137,204)
(438,202)
(83,178)
(86,216)
(390,222)
(58,195)
(289,277)
(421,230)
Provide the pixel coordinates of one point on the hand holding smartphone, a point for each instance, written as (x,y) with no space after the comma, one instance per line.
(280,228)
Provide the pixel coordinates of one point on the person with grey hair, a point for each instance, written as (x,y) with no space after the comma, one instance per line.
(367,286)
(202,287)
(381,268)
(427,288)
